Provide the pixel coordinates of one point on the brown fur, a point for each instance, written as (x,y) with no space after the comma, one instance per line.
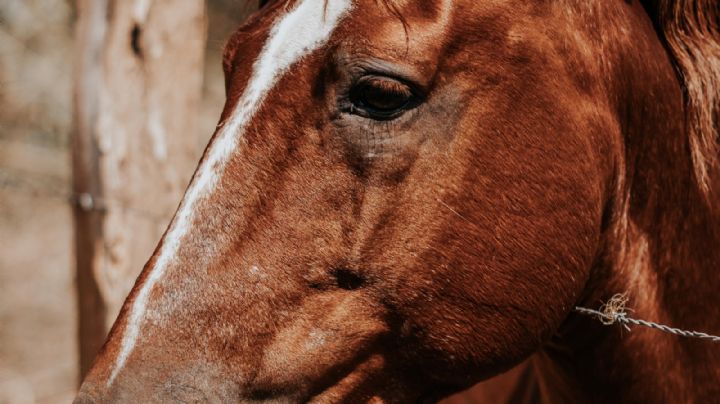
(691,31)
(548,165)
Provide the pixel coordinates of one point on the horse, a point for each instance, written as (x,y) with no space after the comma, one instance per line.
(405,198)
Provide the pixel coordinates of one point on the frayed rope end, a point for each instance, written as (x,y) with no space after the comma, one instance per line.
(614,311)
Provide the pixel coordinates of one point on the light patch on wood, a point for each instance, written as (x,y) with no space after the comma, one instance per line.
(156,129)
(141,10)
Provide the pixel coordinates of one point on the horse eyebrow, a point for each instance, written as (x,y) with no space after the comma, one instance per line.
(295,34)
(394,10)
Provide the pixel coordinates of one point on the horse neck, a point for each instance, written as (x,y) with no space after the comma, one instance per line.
(662,248)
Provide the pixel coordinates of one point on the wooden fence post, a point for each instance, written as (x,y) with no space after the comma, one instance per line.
(137,91)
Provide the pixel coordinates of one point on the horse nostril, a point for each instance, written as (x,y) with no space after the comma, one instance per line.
(347,279)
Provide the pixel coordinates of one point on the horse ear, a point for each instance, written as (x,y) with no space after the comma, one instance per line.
(690,30)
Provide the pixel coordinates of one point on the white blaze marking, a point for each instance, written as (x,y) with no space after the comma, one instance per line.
(299,32)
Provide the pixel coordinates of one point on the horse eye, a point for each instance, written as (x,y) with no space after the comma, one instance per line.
(381,98)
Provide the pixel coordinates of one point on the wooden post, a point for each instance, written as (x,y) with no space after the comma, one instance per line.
(92,310)
(137,92)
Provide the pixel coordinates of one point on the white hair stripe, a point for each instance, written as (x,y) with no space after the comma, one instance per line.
(297,33)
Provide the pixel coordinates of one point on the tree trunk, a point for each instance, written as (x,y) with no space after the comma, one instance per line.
(137,91)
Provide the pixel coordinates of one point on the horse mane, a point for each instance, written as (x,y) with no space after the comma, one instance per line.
(690,30)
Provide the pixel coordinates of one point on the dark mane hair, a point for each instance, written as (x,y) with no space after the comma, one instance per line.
(691,32)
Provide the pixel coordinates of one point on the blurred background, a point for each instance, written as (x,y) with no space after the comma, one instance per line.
(148,48)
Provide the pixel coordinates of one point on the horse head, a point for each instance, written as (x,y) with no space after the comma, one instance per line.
(402,198)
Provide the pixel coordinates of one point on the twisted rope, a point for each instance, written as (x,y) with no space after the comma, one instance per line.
(614,311)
